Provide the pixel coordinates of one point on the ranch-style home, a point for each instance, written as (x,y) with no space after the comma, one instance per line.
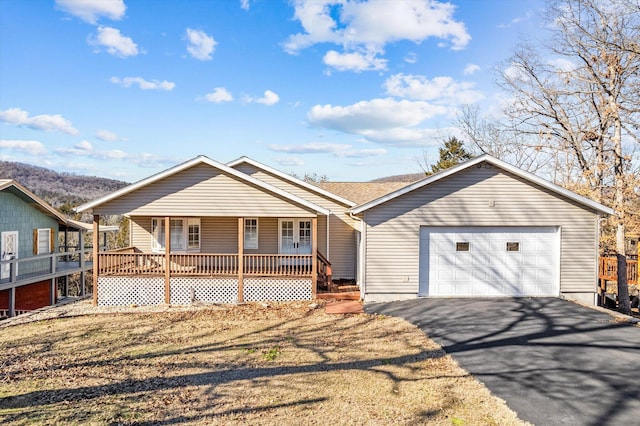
(243,231)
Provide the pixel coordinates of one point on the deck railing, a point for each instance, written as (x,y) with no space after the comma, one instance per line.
(27,270)
(608,270)
(204,264)
(324,272)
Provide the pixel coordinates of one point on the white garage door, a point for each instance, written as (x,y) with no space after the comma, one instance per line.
(489,261)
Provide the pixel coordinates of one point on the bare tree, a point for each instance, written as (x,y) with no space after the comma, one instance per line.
(501,140)
(579,95)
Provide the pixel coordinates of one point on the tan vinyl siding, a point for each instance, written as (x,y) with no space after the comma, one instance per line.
(342,228)
(474,197)
(141,233)
(219,235)
(202,191)
(267,236)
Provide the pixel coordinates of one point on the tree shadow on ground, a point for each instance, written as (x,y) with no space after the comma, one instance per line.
(209,363)
(550,359)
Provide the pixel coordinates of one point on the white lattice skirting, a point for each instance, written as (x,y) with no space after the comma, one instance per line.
(277,289)
(119,291)
(185,291)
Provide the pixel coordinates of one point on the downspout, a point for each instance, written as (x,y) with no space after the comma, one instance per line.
(360,260)
(597,247)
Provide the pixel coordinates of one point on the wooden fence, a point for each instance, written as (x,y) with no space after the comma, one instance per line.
(608,270)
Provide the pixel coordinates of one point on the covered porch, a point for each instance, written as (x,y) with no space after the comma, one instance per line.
(142,274)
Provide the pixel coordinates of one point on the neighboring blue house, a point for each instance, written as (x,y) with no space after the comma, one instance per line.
(30,260)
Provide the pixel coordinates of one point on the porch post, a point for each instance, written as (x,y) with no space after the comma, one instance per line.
(96,266)
(12,302)
(240,259)
(314,257)
(82,278)
(53,291)
(167,255)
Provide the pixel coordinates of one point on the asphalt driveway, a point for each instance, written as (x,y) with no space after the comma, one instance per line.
(552,361)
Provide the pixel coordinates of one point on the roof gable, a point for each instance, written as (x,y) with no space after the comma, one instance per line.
(291,179)
(30,198)
(201,160)
(529,177)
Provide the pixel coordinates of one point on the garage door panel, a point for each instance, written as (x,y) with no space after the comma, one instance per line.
(461,275)
(487,261)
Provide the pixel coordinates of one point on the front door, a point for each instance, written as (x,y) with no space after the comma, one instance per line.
(8,250)
(295,236)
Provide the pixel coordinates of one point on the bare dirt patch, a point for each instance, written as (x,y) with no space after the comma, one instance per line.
(285,363)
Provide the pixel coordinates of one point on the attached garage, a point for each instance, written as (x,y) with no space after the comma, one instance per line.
(482,228)
(489,261)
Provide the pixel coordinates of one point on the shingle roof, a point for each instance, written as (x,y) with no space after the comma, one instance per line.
(361,192)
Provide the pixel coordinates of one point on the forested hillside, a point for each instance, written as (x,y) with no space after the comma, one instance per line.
(61,190)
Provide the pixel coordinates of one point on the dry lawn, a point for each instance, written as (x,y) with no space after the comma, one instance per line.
(282,364)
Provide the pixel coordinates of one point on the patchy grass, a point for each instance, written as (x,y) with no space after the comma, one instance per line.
(285,364)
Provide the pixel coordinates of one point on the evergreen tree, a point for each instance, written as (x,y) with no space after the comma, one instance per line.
(451,153)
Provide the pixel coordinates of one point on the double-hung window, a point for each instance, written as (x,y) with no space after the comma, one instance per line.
(250,233)
(43,241)
(184,234)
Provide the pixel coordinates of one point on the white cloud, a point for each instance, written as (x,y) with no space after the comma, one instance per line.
(107,136)
(143,84)
(200,44)
(84,149)
(29,147)
(563,64)
(91,10)
(360,26)
(289,161)
(405,136)
(411,58)
(219,95)
(336,150)
(386,121)
(84,145)
(269,98)
(354,61)
(443,90)
(471,69)
(375,114)
(44,122)
(518,19)
(115,43)
(244,4)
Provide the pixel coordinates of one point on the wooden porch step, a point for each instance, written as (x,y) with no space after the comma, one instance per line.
(342,295)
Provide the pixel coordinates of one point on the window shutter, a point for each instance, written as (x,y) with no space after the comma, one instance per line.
(52,234)
(35,241)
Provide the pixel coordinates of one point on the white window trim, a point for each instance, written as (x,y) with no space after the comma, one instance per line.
(193,221)
(48,249)
(158,246)
(257,243)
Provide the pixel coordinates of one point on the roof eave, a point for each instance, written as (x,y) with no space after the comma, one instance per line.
(292,179)
(190,163)
(498,163)
(39,201)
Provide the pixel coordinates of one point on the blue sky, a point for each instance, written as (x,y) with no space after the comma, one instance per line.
(352,90)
